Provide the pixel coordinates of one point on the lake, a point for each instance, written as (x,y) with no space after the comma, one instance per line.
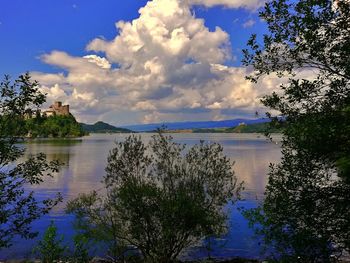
(85,160)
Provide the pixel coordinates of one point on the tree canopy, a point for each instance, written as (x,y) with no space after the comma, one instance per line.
(53,126)
(306,213)
(160,199)
(18,208)
(314,37)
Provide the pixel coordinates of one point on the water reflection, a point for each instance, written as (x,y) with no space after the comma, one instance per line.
(85,160)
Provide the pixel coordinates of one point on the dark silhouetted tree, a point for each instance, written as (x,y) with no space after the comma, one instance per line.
(160,198)
(306,214)
(18,207)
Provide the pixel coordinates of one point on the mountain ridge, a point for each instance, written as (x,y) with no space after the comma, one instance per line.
(103,127)
(193,125)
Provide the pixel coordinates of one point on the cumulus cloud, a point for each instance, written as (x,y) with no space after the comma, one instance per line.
(165,65)
(165,34)
(48,79)
(55,92)
(99,61)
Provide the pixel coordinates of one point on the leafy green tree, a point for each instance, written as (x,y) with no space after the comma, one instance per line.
(50,248)
(98,222)
(311,36)
(160,199)
(81,249)
(306,213)
(19,208)
(53,126)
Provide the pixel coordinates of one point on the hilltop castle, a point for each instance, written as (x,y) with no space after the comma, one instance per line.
(57,109)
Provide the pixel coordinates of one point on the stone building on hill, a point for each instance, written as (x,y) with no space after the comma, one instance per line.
(57,109)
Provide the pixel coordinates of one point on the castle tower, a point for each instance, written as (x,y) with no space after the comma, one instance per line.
(57,109)
(64,110)
(57,104)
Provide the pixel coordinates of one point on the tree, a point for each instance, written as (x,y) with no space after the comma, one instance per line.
(58,126)
(159,198)
(306,214)
(53,126)
(315,36)
(50,248)
(18,207)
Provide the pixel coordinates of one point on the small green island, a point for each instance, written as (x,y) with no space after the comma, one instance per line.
(53,126)
(58,122)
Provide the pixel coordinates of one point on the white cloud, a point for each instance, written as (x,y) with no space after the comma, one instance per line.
(48,79)
(153,117)
(247,4)
(145,106)
(249,23)
(99,61)
(54,93)
(169,66)
(167,33)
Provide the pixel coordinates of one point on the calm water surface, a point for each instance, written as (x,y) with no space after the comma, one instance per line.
(85,160)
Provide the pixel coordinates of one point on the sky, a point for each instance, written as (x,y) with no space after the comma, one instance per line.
(136,61)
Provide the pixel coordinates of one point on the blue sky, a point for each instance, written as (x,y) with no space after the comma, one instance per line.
(197,74)
(31,28)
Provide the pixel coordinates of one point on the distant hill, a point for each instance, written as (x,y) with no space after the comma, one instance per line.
(194,125)
(242,128)
(102,127)
(255,128)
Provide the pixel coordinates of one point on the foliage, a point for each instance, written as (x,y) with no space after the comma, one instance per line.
(98,222)
(54,126)
(256,128)
(81,249)
(306,213)
(159,199)
(305,216)
(18,208)
(50,248)
(313,37)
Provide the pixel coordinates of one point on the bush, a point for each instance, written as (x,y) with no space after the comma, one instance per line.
(81,249)
(50,248)
(160,199)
